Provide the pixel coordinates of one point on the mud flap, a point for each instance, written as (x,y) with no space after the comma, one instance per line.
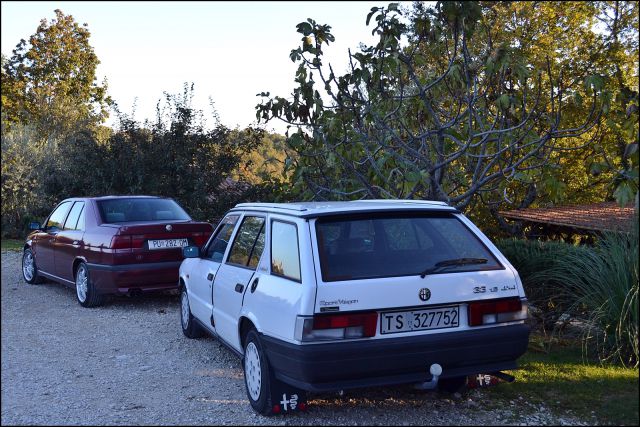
(286,398)
(488,380)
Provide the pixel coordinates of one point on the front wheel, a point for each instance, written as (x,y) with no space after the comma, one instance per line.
(86,292)
(29,268)
(256,374)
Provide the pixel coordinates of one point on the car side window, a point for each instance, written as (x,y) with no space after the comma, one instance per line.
(217,246)
(56,219)
(74,216)
(285,256)
(247,242)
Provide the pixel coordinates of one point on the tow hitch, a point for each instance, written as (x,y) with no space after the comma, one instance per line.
(436,371)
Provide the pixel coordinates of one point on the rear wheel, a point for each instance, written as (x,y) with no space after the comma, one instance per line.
(85,290)
(452,385)
(190,328)
(29,268)
(256,374)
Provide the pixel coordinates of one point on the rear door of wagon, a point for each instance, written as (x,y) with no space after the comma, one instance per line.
(417,271)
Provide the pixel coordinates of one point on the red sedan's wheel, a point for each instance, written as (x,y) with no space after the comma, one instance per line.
(29,268)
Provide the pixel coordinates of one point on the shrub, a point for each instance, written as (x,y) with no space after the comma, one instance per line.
(546,293)
(605,282)
(597,284)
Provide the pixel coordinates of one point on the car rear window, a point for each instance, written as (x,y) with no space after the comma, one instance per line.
(132,210)
(401,245)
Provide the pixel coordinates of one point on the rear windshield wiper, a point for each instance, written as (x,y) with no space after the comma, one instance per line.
(451,263)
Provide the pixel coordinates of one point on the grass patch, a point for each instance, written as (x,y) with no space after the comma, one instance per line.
(566,384)
(12,244)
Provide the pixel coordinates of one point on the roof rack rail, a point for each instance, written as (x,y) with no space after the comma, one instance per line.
(287,207)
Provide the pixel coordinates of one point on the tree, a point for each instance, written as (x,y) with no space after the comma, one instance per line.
(50,81)
(460,112)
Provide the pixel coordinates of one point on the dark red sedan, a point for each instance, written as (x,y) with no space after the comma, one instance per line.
(112,245)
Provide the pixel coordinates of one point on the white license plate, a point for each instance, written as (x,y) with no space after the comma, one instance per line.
(392,322)
(168,243)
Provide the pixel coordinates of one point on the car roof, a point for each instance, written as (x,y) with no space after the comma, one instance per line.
(115,197)
(316,209)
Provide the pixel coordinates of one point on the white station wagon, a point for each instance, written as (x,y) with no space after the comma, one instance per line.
(328,296)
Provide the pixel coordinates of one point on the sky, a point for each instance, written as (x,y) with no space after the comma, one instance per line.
(230,50)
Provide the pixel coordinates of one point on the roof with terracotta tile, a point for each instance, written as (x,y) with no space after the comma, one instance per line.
(607,216)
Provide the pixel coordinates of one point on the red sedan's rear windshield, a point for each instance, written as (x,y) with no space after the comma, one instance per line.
(398,245)
(132,210)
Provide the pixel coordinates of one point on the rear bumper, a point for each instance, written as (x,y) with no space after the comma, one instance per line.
(122,279)
(339,366)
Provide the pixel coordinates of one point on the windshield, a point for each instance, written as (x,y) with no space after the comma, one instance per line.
(399,245)
(140,209)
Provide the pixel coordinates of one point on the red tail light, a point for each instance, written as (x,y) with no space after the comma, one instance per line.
(496,311)
(121,242)
(129,242)
(200,238)
(137,241)
(338,326)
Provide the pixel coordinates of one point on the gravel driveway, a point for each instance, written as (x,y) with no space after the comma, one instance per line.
(127,363)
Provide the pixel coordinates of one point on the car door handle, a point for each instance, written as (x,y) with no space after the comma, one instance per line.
(239,288)
(210,276)
(254,285)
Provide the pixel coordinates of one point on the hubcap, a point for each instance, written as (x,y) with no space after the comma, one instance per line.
(252,371)
(185,310)
(27,266)
(81,284)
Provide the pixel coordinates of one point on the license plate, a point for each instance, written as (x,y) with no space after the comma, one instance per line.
(168,243)
(419,320)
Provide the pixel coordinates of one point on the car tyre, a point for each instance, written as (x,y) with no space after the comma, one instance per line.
(86,292)
(29,268)
(190,327)
(256,374)
(452,385)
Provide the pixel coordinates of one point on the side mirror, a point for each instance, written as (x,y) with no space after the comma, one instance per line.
(191,252)
(34,226)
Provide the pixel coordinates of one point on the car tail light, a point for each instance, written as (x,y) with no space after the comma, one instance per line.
(497,311)
(336,326)
(137,241)
(121,242)
(199,238)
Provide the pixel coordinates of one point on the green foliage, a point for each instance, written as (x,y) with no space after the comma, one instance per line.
(488,106)
(178,156)
(604,283)
(546,292)
(49,81)
(598,285)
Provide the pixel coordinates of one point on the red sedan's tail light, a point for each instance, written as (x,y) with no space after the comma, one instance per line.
(199,238)
(338,326)
(121,242)
(497,311)
(137,241)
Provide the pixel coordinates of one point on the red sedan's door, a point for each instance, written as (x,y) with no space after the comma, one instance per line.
(69,242)
(45,245)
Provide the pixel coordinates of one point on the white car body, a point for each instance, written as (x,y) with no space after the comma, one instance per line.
(221,300)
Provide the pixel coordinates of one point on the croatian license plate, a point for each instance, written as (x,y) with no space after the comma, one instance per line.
(168,243)
(393,322)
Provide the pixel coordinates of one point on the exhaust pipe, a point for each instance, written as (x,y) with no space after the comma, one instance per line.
(436,371)
(504,377)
